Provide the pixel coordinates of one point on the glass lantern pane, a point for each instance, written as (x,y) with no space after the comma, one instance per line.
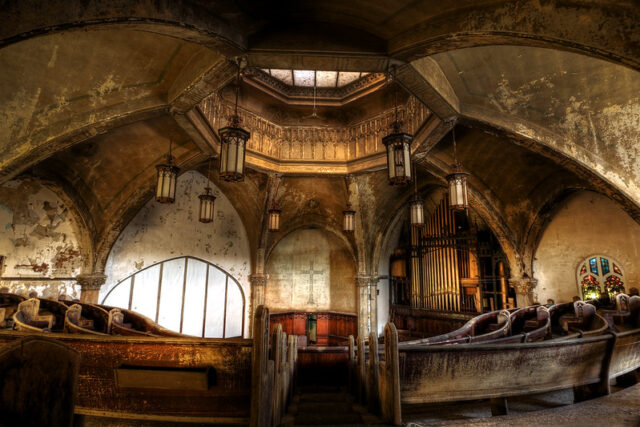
(390,168)
(224,148)
(231,159)
(407,159)
(240,160)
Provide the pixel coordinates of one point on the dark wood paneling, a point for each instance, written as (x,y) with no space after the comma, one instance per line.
(332,328)
(227,361)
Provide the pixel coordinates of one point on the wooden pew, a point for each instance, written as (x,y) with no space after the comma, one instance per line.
(179,379)
(432,374)
(38,382)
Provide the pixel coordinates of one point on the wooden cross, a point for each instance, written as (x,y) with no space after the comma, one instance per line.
(311,272)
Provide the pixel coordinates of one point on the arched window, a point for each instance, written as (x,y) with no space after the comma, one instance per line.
(186,295)
(600,273)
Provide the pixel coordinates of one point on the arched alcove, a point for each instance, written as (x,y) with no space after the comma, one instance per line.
(161,232)
(586,223)
(312,270)
(42,236)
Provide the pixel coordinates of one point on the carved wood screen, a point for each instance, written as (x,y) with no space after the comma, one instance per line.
(186,295)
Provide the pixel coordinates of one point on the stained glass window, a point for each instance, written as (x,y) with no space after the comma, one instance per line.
(590,278)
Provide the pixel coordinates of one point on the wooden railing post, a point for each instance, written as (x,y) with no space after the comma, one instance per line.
(276,356)
(262,371)
(390,405)
(352,366)
(373,393)
(291,364)
(361,374)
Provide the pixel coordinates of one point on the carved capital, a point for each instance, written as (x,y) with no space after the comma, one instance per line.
(258,279)
(362,281)
(91,281)
(523,286)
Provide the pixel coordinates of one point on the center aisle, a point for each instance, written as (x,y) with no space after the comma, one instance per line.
(321,396)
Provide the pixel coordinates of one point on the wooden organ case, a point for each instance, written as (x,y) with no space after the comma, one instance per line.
(453,264)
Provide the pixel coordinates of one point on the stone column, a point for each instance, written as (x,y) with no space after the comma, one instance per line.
(373,305)
(362,283)
(258,286)
(90,284)
(524,290)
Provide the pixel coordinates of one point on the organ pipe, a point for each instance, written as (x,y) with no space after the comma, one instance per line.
(435,275)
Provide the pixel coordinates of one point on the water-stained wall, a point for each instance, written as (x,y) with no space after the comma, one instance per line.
(159,232)
(40,236)
(587,224)
(312,270)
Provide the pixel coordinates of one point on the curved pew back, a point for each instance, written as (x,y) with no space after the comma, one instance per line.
(28,319)
(75,323)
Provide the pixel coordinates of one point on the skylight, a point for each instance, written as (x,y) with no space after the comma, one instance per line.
(309,78)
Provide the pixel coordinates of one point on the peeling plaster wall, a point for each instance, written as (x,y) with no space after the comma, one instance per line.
(290,285)
(587,109)
(39,237)
(587,224)
(159,232)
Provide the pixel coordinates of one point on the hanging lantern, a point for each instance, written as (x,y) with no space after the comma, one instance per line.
(416,207)
(458,199)
(207,200)
(233,141)
(398,145)
(457,180)
(274,218)
(166,180)
(349,219)
(273,221)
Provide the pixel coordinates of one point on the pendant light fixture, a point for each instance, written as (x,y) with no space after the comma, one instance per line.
(416,207)
(458,195)
(274,212)
(348,215)
(233,140)
(166,180)
(398,144)
(207,200)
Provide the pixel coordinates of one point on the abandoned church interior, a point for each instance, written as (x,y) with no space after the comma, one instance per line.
(319,212)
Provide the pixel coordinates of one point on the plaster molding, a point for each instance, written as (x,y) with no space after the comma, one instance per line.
(333,149)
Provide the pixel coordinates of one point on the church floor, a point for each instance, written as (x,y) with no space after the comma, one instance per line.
(334,406)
